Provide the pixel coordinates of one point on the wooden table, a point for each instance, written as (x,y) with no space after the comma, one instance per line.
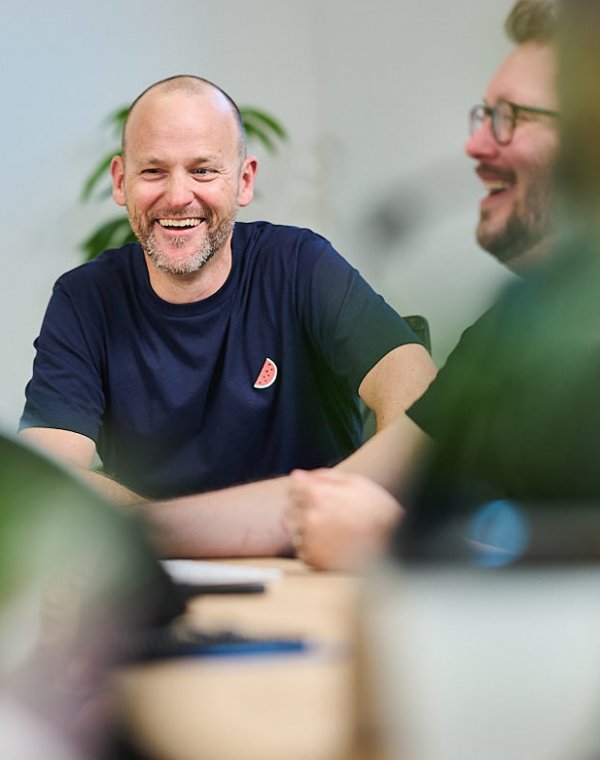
(273,707)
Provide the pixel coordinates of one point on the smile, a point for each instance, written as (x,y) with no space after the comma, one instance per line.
(496,186)
(494,180)
(180,223)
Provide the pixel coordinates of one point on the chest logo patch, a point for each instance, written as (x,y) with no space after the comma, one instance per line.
(266,377)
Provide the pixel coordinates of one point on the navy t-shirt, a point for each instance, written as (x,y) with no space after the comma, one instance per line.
(167,391)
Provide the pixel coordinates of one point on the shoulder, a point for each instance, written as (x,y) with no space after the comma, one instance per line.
(268,236)
(114,265)
(296,250)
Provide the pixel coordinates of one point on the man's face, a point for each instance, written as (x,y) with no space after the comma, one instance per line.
(182,177)
(516,215)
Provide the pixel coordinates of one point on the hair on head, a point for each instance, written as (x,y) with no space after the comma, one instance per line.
(532,21)
(193,85)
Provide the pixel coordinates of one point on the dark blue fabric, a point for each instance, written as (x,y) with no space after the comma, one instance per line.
(166,390)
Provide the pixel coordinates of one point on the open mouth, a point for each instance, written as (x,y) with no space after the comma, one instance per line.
(495,187)
(496,182)
(180,224)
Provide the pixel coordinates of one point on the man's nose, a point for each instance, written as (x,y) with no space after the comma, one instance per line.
(482,143)
(179,189)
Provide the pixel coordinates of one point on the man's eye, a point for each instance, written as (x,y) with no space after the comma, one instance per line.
(203,172)
(150,171)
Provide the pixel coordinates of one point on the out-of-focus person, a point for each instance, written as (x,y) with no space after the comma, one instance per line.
(77,580)
(340,520)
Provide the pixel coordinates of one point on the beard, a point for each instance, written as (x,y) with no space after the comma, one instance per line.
(528,226)
(172,257)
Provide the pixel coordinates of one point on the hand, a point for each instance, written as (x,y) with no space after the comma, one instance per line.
(339,520)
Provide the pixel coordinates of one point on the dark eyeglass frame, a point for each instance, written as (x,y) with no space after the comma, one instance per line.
(478,114)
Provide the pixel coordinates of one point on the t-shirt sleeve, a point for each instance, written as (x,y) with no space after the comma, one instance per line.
(350,323)
(65,390)
(434,411)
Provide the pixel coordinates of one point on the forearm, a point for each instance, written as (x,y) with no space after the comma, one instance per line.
(392,457)
(241,521)
(76,452)
(396,382)
(109,488)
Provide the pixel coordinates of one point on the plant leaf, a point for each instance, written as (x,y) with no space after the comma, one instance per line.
(252,133)
(97,174)
(254,114)
(117,119)
(262,127)
(111,234)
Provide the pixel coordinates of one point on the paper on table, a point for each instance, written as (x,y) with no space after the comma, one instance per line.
(193,571)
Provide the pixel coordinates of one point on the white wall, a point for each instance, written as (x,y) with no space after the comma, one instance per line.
(374,96)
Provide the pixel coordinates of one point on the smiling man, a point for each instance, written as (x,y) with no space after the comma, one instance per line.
(341,517)
(514,139)
(212,353)
(171,135)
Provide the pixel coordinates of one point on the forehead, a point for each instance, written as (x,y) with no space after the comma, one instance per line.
(527,76)
(176,121)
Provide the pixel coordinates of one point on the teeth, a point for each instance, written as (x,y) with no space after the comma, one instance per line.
(496,186)
(179,222)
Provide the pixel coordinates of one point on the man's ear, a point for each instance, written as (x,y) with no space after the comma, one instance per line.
(117,172)
(247,175)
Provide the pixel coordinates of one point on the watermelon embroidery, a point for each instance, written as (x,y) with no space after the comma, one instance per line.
(267,375)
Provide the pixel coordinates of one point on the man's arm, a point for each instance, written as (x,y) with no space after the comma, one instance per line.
(391,457)
(249,520)
(396,382)
(244,520)
(239,521)
(340,518)
(77,451)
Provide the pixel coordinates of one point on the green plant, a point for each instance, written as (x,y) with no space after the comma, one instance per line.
(259,125)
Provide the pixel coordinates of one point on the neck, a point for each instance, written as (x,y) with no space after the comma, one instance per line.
(528,261)
(196,286)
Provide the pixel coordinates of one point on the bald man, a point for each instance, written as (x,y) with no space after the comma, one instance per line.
(211,357)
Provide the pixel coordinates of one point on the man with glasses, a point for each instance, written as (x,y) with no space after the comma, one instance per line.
(340,518)
(503,117)
(514,139)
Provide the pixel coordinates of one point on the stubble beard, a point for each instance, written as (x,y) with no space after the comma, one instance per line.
(166,259)
(528,227)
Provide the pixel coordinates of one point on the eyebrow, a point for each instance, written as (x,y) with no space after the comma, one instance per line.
(155,160)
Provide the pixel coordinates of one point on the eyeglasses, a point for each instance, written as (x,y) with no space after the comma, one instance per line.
(504,116)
